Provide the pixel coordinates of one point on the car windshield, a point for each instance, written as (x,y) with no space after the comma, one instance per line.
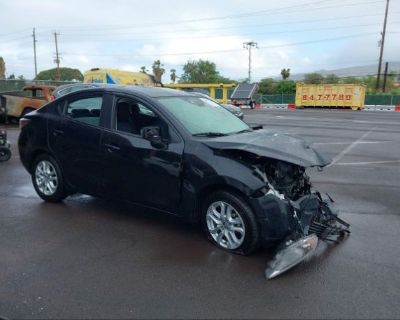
(201,116)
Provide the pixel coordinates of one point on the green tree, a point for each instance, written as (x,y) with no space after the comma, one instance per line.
(173,75)
(267,86)
(2,68)
(202,71)
(158,70)
(67,74)
(11,77)
(352,80)
(285,73)
(286,86)
(331,78)
(314,77)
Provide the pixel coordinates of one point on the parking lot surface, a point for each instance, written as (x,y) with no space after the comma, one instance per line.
(91,258)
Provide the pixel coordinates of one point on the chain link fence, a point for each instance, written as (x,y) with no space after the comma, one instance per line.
(17,85)
(370,99)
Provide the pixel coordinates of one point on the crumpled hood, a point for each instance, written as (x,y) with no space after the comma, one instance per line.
(271,144)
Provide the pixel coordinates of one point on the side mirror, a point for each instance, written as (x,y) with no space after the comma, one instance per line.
(153,135)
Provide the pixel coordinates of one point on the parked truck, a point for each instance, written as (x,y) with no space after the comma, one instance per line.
(16,104)
(330,95)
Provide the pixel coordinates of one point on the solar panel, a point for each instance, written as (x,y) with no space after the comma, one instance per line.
(244,91)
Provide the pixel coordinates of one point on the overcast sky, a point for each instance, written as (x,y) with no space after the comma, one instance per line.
(303,35)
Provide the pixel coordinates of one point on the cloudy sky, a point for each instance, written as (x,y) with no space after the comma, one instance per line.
(304,35)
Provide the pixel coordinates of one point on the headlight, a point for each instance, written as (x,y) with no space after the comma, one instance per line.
(291,255)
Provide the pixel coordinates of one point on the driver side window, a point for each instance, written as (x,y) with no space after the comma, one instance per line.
(132,116)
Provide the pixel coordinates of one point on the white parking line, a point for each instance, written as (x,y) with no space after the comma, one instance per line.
(344,151)
(365,163)
(343,142)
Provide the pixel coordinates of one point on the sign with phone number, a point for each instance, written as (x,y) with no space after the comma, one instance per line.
(328,97)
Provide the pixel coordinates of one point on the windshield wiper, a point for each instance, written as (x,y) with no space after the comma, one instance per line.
(242,131)
(210,134)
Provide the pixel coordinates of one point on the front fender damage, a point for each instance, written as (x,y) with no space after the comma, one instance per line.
(305,215)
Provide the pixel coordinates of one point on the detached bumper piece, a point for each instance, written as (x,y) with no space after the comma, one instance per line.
(316,219)
(327,225)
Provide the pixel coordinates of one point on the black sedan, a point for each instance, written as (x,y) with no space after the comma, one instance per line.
(185,155)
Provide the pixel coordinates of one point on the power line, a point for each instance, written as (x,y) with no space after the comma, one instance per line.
(102,34)
(283,10)
(227,35)
(159,54)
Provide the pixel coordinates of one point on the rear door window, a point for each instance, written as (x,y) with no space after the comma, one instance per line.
(86,110)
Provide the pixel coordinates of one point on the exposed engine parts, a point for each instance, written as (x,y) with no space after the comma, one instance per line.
(288,179)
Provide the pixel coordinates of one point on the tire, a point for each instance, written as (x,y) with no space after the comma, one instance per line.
(5,154)
(235,229)
(46,169)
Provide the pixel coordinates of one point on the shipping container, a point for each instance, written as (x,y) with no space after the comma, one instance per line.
(330,95)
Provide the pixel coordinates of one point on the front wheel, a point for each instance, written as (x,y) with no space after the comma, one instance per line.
(230,223)
(48,180)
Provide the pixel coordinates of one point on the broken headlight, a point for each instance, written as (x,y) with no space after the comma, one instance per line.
(291,255)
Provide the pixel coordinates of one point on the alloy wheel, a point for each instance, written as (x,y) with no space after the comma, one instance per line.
(225,225)
(46,178)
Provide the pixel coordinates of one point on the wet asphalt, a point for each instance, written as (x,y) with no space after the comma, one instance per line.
(91,258)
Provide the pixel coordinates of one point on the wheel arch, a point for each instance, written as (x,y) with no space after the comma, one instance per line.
(26,110)
(209,189)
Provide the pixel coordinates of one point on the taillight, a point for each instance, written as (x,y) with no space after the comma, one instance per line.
(23,122)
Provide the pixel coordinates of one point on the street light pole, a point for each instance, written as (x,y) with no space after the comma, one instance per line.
(248,46)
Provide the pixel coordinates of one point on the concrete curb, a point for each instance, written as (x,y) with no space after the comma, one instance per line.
(366,107)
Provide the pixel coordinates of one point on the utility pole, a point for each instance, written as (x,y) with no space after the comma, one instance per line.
(57,59)
(34,50)
(248,46)
(383,33)
(385,76)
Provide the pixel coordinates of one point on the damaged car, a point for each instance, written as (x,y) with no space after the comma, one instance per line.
(185,155)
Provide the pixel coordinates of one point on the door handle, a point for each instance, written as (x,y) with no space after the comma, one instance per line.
(112,147)
(57,132)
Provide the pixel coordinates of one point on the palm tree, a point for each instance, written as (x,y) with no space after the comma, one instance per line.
(158,70)
(143,69)
(173,75)
(285,73)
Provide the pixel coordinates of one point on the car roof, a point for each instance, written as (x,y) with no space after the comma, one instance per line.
(78,84)
(151,92)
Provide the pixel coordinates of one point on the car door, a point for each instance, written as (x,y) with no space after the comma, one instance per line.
(74,139)
(137,169)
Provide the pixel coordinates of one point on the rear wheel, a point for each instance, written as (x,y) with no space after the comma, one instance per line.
(48,180)
(5,154)
(230,223)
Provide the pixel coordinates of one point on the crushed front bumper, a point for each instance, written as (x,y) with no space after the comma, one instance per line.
(311,218)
